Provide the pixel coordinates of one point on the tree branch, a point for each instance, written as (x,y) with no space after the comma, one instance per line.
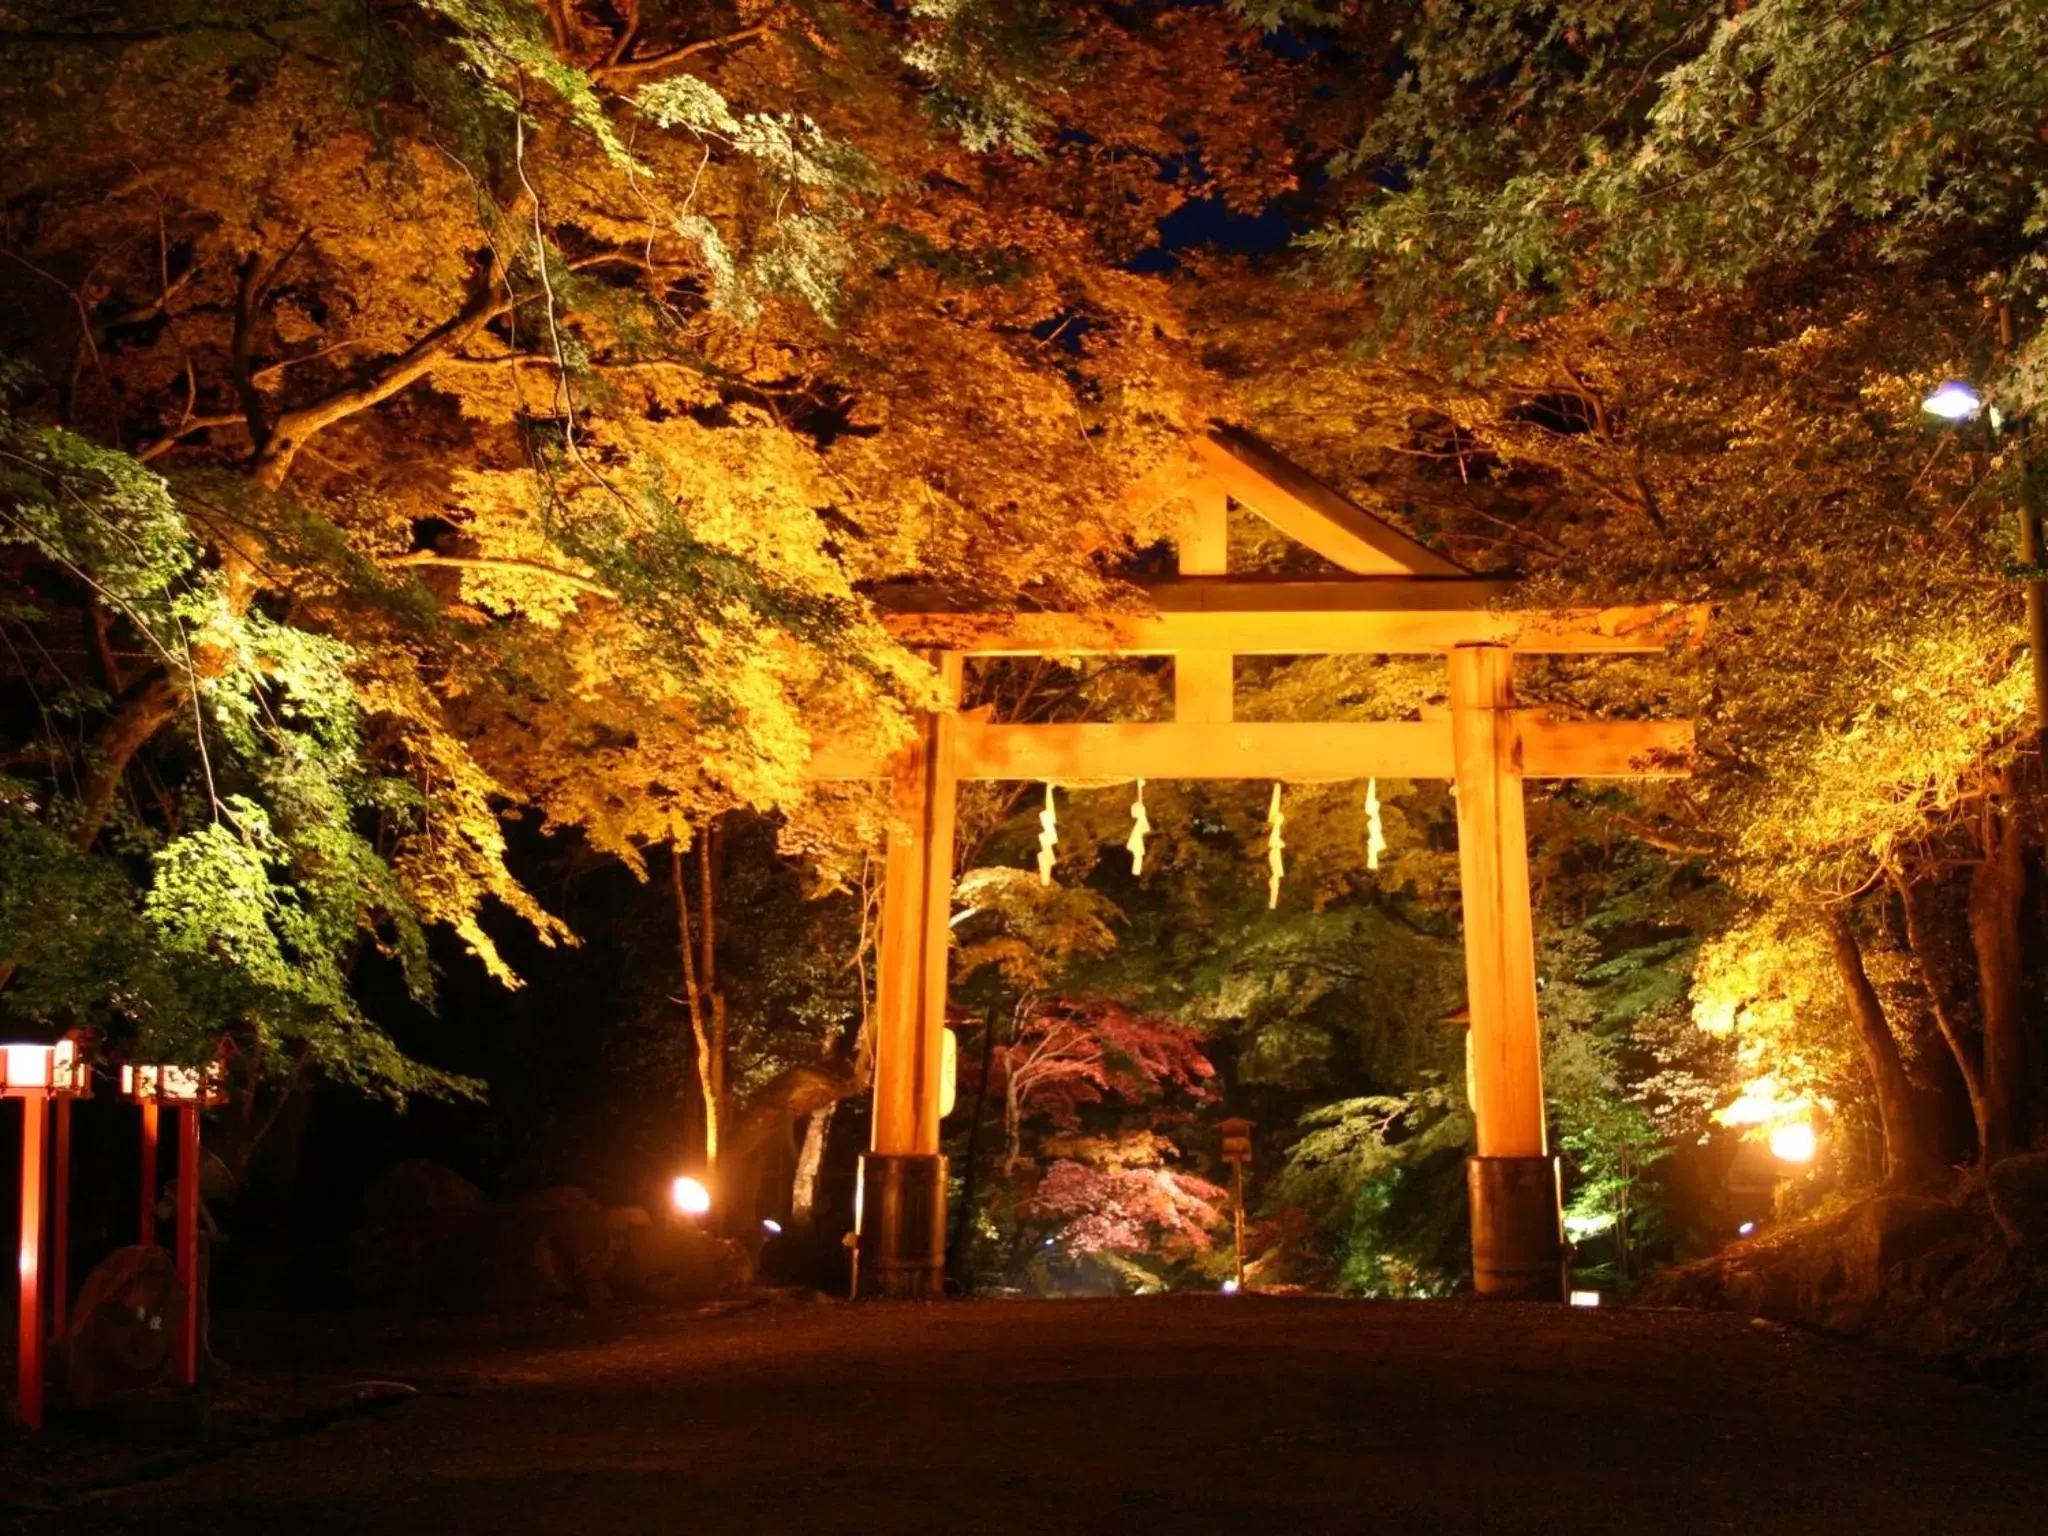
(254,409)
(193,424)
(143,711)
(490,299)
(505,563)
(615,71)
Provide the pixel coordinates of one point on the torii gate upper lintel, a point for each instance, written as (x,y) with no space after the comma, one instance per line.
(1400,598)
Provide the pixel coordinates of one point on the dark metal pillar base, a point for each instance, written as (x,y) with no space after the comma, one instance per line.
(902,1226)
(1517,1228)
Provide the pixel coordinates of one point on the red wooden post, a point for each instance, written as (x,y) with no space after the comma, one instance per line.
(60,1223)
(188,1240)
(148,1224)
(35,1111)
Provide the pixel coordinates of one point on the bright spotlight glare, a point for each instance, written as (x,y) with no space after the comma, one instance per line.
(1585,1298)
(1955,400)
(1745,1229)
(1229,1287)
(689,1196)
(772,1228)
(1794,1142)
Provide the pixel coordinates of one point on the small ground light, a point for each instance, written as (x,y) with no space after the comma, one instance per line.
(1954,400)
(1229,1287)
(1745,1229)
(772,1228)
(689,1196)
(1585,1298)
(1794,1142)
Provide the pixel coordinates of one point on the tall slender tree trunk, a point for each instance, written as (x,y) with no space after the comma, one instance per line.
(709,847)
(1906,1158)
(963,1220)
(1996,888)
(1938,973)
(803,1190)
(693,999)
(1013,1125)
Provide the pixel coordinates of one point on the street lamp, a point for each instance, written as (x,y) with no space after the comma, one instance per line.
(1953,400)
(1957,400)
(188,1090)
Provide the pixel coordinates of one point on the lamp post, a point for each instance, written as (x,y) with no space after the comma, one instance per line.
(1958,401)
(189,1090)
(36,1075)
(1237,1151)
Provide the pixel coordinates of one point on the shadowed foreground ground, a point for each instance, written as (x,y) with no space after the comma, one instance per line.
(1173,1414)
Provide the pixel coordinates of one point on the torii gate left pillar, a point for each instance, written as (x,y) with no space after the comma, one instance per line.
(900,1214)
(1514,1180)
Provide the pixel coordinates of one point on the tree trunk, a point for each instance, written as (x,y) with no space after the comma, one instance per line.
(1013,1126)
(708,849)
(147,709)
(1996,888)
(1905,1154)
(963,1220)
(1938,972)
(694,1000)
(803,1190)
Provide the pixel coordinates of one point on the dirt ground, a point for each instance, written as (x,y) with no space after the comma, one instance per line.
(1183,1414)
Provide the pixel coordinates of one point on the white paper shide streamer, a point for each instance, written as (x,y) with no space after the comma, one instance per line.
(1048,838)
(1141,826)
(1375,836)
(1276,861)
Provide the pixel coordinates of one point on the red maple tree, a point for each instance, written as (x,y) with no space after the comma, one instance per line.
(1071,1052)
(1126,1209)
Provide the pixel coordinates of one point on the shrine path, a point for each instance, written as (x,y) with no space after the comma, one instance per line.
(1182,1414)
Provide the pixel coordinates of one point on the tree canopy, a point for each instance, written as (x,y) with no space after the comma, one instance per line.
(425,416)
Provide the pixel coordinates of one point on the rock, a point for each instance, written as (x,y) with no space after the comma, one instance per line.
(217,1183)
(430,1240)
(1050,1273)
(1901,1227)
(678,1263)
(559,1197)
(123,1327)
(415,1218)
(1929,1276)
(2019,1198)
(416,1188)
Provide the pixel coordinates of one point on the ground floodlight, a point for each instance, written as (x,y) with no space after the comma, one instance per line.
(1794,1142)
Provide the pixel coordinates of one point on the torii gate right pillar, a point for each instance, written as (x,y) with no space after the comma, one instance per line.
(1517,1230)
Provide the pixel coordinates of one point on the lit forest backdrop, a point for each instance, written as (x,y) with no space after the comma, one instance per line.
(450,449)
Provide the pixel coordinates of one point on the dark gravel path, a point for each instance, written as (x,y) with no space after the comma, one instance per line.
(1174,1414)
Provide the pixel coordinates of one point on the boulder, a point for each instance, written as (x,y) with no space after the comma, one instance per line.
(674,1262)
(558,1197)
(1827,1272)
(123,1328)
(416,1188)
(1934,1277)
(555,1245)
(2019,1198)
(1050,1272)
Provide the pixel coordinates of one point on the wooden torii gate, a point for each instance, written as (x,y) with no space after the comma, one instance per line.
(1399,598)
